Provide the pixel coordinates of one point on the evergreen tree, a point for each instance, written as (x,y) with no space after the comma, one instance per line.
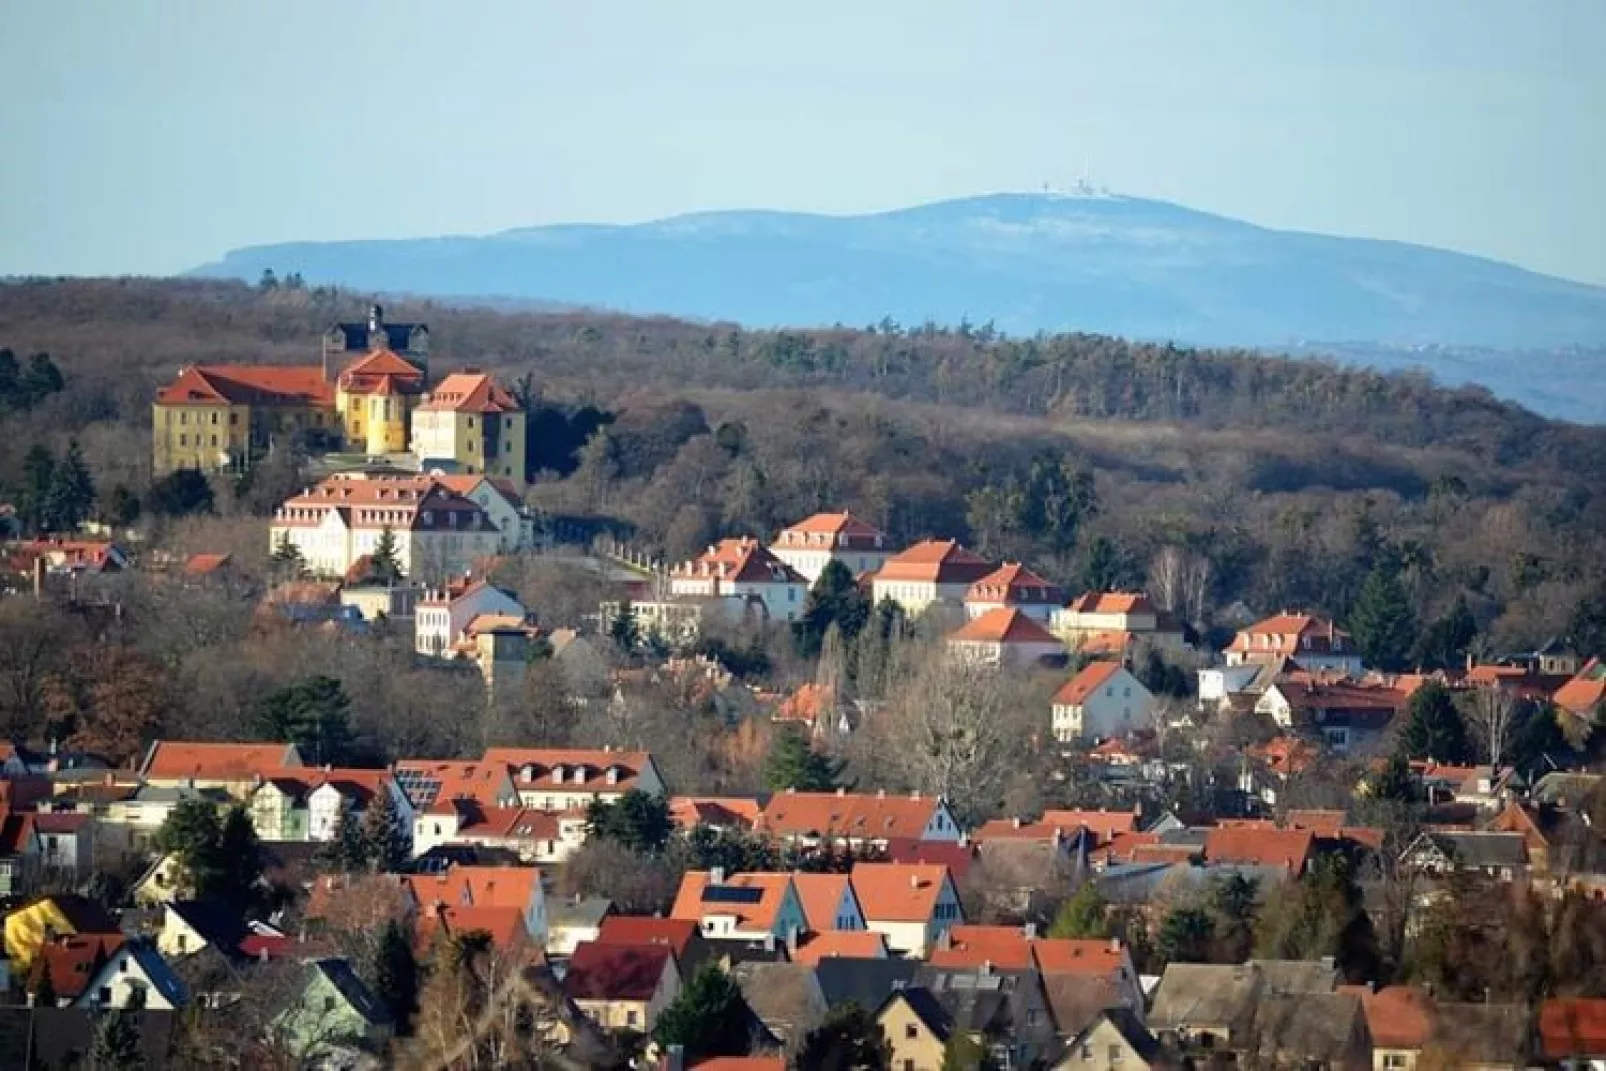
(385,562)
(386,844)
(835,599)
(116,1045)
(287,559)
(396,976)
(964,1053)
(239,859)
(193,833)
(1433,727)
(70,496)
(1185,936)
(1394,782)
(1233,902)
(1381,622)
(42,378)
(708,1018)
(793,764)
(44,989)
(121,507)
(38,470)
(638,820)
(1444,644)
(624,629)
(179,494)
(849,1039)
(1083,915)
(347,851)
(315,715)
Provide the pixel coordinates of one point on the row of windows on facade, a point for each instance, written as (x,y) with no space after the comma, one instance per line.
(234,418)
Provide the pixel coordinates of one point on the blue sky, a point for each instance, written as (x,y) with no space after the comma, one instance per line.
(151,135)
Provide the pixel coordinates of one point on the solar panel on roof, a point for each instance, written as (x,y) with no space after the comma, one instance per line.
(731,894)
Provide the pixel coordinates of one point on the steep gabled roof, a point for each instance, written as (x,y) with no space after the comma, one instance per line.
(1012,583)
(847,814)
(842,525)
(1289,848)
(898,892)
(726,811)
(678,935)
(700,896)
(740,561)
(1585,693)
(477,886)
(1004,625)
(244,384)
(603,971)
(1398,1016)
(382,371)
(820,895)
(581,769)
(1111,602)
(1093,676)
(840,944)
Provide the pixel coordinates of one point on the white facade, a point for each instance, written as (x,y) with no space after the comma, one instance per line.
(331,547)
(913,596)
(916,939)
(1117,707)
(726,926)
(783,600)
(811,561)
(1041,612)
(1219,683)
(1000,653)
(114,984)
(438,622)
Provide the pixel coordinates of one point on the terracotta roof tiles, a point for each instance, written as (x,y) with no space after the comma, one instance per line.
(898,892)
(1003,625)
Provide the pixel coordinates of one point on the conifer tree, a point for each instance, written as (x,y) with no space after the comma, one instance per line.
(793,764)
(708,1018)
(396,976)
(385,843)
(1382,623)
(347,850)
(1433,727)
(70,496)
(386,559)
(1083,915)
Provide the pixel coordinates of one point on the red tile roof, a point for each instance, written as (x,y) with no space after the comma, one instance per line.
(1572,1026)
(739,811)
(845,526)
(171,760)
(740,561)
(205,564)
(820,894)
(382,372)
(73,961)
(675,934)
(1287,631)
(956,857)
(1586,692)
(690,902)
(1111,602)
(898,892)
(742,1063)
(243,384)
(431,782)
(477,886)
(841,944)
(1014,584)
(402,503)
(1102,824)
(504,925)
(805,705)
(1290,848)
(583,770)
(1074,692)
(854,815)
(1399,1016)
(469,392)
(1003,625)
(599,971)
(936,561)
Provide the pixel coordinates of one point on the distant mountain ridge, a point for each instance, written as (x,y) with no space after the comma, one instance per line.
(1115,265)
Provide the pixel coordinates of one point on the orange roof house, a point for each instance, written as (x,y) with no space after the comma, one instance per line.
(1306,638)
(1101,825)
(680,936)
(429,783)
(1012,584)
(1111,602)
(544,777)
(720,812)
(242,384)
(856,817)
(832,529)
(828,902)
(169,762)
(911,904)
(1572,1027)
(737,561)
(1074,692)
(739,906)
(1006,635)
(439,922)
(381,371)
(469,392)
(940,561)
(1400,1017)
(840,944)
(1584,695)
(1291,849)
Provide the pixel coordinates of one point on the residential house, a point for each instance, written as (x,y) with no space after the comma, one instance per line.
(917,1028)
(910,904)
(1313,643)
(330,1014)
(70,960)
(306,803)
(1572,1032)
(505,927)
(436,533)
(865,982)
(138,816)
(1116,1040)
(1103,700)
(828,902)
(56,556)
(723,813)
(1484,1037)
(561,779)
(31,926)
(1096,613)
(620,986)
(1401,1020)
(743,569)
(811,544)
(442,616)
(1198,1007)
(815,948)
(66,843)
(190,927)
(1349,717)
(1325,1031)
(516,888)
(817,710)
(532,836)
(934,571)
(235,768)
(786,998)
(379,600)
(1005,637)
(21,854)
(132,967)
(1290,849)
(1497,855)
(221,417)
(471,425)
(683,937)
(1014,585)
(165,879)
(431,787)
(1019,948)
(574,919)
(1584,696)
(1002,1011)
(857,819)
(740,907)
(501,501)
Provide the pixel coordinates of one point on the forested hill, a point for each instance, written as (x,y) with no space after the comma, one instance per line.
(152,327)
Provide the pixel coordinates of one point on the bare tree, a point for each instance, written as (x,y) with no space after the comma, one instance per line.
(1167,579)
(1490,715)
(1196,588)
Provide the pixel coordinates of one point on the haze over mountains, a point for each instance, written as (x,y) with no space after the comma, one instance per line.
(1028,262)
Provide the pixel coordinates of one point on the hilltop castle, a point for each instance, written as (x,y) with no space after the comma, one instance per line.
(371,396)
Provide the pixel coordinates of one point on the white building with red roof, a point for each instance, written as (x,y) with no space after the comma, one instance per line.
(742,569)
(811,544)
(1312,642)
(442,616)
(561,779)
(437,533)
(499,498)
(472,425)
(1014,585)
(1007,636)
(1109,624)
(1101,701)
(936,570)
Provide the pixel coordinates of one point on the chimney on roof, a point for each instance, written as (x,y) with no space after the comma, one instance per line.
(914,881)
(1115,945)
(1029,931)
(716,875)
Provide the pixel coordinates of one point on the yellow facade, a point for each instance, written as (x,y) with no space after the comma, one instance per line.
(375,423)
(466,438)
(914,1046)
(203,436)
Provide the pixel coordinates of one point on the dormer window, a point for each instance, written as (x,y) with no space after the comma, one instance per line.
(557,773)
